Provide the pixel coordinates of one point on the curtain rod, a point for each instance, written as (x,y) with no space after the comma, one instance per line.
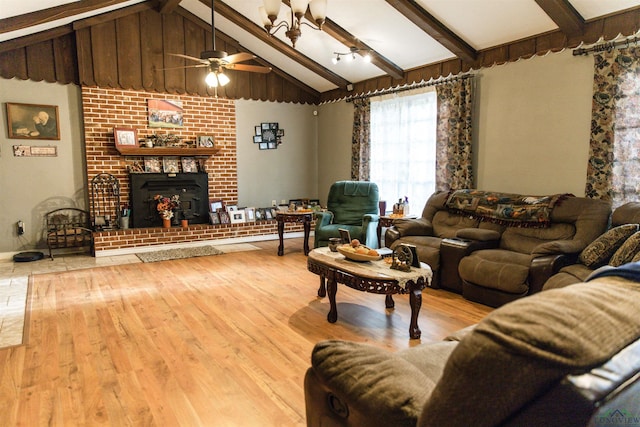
(608,46)
(414,86)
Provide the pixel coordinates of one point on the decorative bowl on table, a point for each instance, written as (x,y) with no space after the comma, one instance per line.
(354,256)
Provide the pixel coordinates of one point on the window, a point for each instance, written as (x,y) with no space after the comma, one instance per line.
(403,147)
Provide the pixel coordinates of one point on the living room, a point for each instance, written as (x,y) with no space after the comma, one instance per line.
(531,131)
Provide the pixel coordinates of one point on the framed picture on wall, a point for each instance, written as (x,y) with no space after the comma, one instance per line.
(125,137)
(32,121)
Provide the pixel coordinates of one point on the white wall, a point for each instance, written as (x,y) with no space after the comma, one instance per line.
(532,122)
(288,172)
(335,126)
(32,186)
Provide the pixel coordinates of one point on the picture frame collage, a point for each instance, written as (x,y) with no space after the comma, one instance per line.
(268,136)
(221,213)
(167,164)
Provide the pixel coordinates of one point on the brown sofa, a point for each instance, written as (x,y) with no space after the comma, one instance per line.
(496,263)
(564,357)
(619,245)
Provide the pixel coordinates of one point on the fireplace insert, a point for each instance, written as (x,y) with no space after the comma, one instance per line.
(192,189)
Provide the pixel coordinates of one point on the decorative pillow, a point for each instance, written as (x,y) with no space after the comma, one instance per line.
(627,252)
(600,250)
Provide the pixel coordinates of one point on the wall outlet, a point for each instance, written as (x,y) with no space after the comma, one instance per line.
(20,226)
(274,203)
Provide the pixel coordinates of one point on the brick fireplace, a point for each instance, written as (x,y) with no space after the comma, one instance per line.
(104,108)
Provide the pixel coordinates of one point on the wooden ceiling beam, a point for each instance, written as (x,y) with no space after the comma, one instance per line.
(43,16)
(168,6)
(349,40)
(260,33)
(35,38)
(113,15)
(430,25)
(564,15)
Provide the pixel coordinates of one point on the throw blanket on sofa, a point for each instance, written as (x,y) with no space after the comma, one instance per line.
(504,208)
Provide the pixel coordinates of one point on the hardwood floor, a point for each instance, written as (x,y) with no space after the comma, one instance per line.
(212,341)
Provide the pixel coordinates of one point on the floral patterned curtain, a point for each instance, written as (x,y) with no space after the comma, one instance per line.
(613,171)
(454,167)
(360,142)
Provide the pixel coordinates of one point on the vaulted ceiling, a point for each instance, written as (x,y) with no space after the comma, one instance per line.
(409,40)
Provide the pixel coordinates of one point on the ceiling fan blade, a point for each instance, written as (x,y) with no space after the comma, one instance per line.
(245,67)
(189,57)
(186,66)
(238,57)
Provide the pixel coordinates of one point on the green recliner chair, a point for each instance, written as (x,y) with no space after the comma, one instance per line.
(351,205)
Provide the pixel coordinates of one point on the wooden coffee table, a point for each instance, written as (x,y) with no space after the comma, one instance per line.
(372,276)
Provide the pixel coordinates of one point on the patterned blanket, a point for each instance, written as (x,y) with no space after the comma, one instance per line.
(508,209)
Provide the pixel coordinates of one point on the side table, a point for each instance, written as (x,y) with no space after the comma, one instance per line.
(387,221)
(295,217)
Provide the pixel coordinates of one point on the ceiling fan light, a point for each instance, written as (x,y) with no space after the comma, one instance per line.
(318,9)
(211,80)
(272,7)
(335,59)
(367,58)
(223,79)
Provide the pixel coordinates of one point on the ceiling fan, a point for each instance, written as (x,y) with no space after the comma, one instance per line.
(218,60)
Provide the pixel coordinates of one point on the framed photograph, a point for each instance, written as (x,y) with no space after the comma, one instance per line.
(224,217)
(189,165)
(165,113)
(268,214)
(273,145)
(269,132)
(257,139)
(152,165)
(170,164)
(33,121)
(345,235)
(280,132)
(258,130)
(216,205)
(264,145)
(274,212)
(250,214)
(214,218)
(232,208)
(205,141)
(259,214)
(125,137)
(237,217)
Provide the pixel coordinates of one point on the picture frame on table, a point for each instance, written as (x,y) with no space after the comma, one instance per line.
(216,205)
(189,165)
(267,214)
(125,137)
(170,164)
(224,217)
(237,216)
(152,165)
(206,141)
(32,121)
(232,208)
(214,218)
(274,212)
(259,214)
(250,214)
(345,235)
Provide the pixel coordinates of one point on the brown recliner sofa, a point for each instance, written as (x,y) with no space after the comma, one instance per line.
(435,225)
(564,357)
(618,245)
(526,257)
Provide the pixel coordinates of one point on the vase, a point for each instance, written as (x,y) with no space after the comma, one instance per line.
(184,223)
(166,223)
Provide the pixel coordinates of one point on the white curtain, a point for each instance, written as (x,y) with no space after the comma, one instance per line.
(403,147)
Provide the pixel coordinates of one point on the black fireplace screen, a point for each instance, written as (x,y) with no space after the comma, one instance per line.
(192,190)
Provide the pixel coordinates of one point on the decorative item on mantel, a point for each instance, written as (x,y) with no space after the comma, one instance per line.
(165,207)
(167,140)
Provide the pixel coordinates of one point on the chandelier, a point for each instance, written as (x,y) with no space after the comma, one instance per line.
(351,55)
(269,13)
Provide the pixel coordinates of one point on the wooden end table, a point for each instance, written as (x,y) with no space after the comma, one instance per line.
(387,221)
(296,217)
(372,276)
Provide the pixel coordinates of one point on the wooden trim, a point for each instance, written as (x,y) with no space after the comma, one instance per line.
(35,38)
(564,15)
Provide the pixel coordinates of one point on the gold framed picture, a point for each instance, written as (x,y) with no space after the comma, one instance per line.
(33,121)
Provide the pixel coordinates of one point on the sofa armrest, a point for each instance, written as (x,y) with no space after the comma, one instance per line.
(559,247)
(323,218)
(542,268)
(479,234)
(413,227)
(391,235)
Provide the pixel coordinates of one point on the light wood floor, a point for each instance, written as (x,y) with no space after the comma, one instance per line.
(212,341)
